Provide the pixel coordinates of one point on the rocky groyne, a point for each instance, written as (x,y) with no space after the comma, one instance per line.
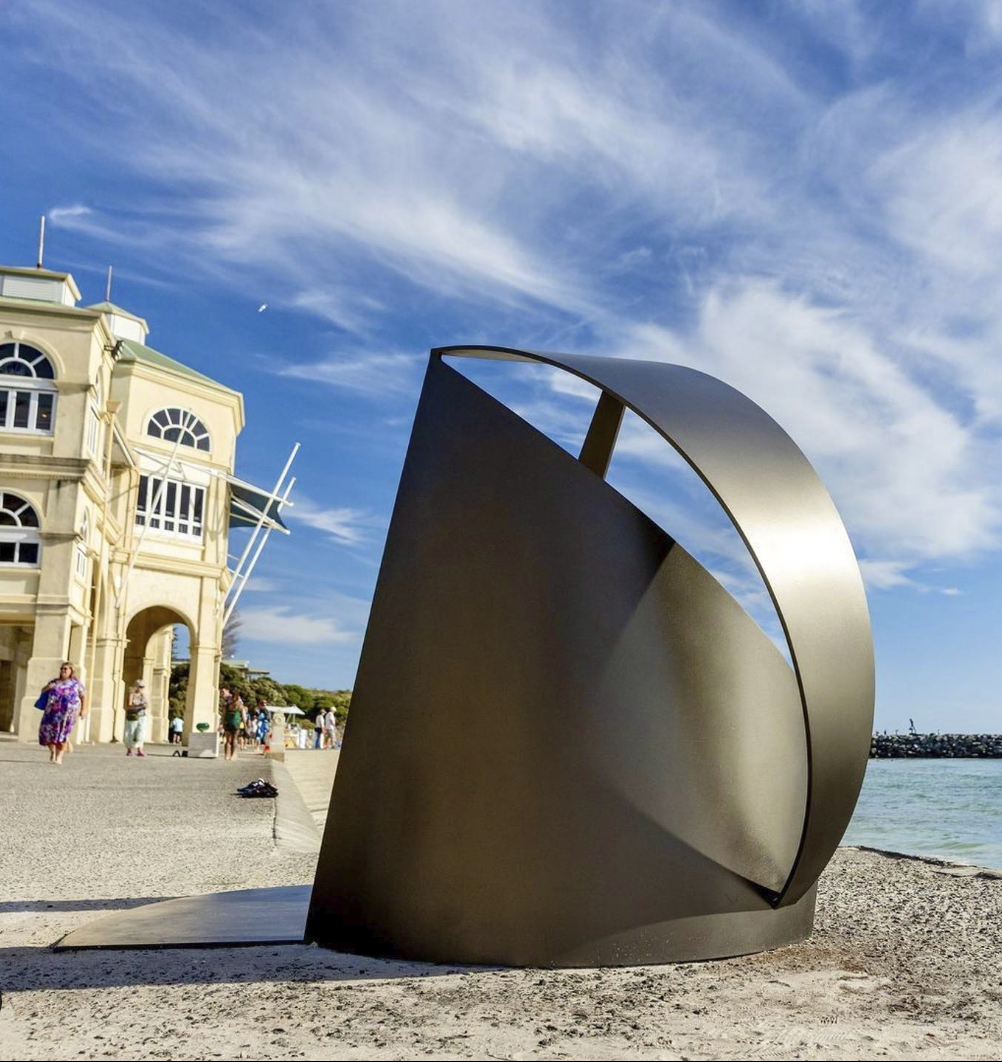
(953,746)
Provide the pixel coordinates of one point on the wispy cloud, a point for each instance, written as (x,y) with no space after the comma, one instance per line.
(285,625)
(902,468)
(884,574)
(68,214)
(674,181)
(262,585)
(349,310)
(372,374)
(346,526)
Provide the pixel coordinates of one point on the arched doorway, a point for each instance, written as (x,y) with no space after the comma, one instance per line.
(148,656)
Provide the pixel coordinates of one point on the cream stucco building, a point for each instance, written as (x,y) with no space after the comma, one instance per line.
(116,499)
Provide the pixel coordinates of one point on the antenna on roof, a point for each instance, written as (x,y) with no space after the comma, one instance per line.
(107,287)
(41,242)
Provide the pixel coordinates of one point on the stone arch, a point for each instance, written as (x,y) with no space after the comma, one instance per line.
(148,657)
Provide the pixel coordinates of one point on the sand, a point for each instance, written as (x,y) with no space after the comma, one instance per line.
(905,962)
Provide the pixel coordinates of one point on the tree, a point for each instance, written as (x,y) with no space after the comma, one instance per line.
(237,682)
(269,691)
(231,635)
(266,689)
(299,697)
(177,691)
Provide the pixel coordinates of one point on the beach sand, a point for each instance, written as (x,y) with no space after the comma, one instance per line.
(905,961)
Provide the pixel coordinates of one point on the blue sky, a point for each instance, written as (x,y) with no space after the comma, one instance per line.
(803,198)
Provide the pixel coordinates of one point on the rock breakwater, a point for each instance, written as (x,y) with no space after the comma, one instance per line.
(888,746)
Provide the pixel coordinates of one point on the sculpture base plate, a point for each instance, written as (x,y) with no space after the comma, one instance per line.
(273,916)
(245,917)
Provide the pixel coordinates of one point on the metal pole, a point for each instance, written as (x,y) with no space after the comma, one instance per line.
(41,242)
(250,567)
(264,512)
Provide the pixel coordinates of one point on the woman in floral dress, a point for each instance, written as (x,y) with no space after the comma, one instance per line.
(67,701)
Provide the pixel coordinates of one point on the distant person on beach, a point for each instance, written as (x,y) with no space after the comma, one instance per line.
(67,701)
(135,719)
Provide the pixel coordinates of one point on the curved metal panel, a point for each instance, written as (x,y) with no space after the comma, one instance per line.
(794,534)
(568,744)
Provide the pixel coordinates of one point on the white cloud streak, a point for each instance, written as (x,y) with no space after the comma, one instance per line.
(659,180)
(261,585)
(286,626)
(346,526)
(902,468)
(371,374)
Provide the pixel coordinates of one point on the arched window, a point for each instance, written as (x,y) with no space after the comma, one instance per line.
(172,423)
(27,390)
(19,540)
(18,359)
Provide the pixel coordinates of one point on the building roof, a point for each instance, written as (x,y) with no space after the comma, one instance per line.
(110,307)
(131,351)
(43,274)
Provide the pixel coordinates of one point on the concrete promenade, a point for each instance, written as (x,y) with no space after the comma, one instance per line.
(903,964)
(313,774)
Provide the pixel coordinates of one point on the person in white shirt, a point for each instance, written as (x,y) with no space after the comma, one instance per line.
(330,728)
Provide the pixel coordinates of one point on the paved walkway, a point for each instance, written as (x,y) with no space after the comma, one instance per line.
(108,825)
(903,963)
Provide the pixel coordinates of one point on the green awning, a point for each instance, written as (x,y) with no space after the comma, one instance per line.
(248,503)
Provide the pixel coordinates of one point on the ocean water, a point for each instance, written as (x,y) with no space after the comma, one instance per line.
(946,808)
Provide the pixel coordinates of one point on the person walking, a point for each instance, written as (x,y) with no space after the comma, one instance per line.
(263,724)
(244,733)
(67,701)
(318,730)
(135,719)
(330,727)
(176,729)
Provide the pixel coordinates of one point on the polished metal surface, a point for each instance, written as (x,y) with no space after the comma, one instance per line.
(218,919)
(568,744)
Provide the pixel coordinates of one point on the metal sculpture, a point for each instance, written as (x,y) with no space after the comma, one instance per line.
(568,744)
